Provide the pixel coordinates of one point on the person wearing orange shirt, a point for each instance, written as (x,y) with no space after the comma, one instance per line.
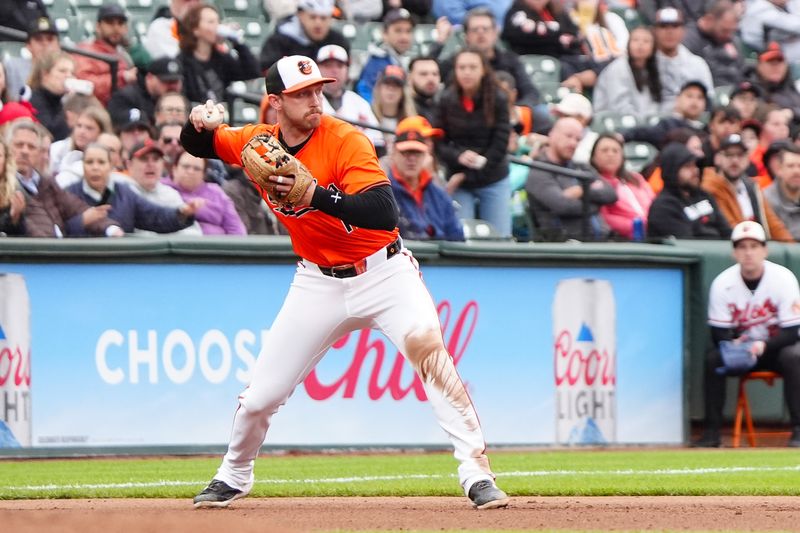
(774,127)
(354,273)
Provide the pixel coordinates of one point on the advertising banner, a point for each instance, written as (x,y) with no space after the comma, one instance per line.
(143,354)
(15,363)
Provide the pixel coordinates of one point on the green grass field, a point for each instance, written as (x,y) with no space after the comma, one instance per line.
(535,473)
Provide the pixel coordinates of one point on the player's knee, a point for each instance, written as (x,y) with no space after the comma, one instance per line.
(263,402)
(424,344)
(789,356)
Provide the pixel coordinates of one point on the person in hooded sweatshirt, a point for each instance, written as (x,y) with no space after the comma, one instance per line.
(683,209)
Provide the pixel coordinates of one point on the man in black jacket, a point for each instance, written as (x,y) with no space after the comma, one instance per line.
(683,209)
(714,39)
(21,14)
(303,34)
(689,108)
(138,101)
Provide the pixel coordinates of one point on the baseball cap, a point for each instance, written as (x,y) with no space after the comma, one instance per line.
(144,148)
(773,52)
(748,230)
(668,16)
(42,25)
(111,11)
(166,69)
(411,139)
(746,87)
(332,52)
(397,15)
(420,124)
(318,7)
(293,73)
(393,73)
(731,140)
(695,83)
(575,104)
(11,111)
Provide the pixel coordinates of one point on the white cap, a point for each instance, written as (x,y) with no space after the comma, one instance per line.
(293,73)
(332,51)
(318,7)
(748,230)
(575,104)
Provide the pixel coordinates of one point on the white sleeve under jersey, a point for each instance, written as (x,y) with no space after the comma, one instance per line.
(758,314)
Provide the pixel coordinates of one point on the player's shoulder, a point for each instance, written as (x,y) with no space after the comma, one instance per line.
(337,128)
(730,274)
(241,134)
(727,281)
(774,270)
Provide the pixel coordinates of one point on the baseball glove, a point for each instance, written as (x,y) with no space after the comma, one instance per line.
(263,156)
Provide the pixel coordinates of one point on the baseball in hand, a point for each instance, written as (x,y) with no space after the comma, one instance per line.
(212,118)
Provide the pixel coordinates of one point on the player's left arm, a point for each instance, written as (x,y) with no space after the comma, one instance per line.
(364,197)
(788,311)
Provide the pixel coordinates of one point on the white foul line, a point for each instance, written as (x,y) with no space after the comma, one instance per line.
(399,477)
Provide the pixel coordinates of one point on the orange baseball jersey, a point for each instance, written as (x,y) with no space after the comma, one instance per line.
(342,159)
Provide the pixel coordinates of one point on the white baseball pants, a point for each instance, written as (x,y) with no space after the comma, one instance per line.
(391,297)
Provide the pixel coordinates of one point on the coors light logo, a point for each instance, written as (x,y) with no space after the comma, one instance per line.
(584,350)
(15,363)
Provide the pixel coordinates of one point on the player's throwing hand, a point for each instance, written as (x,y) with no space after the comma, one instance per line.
(207,116)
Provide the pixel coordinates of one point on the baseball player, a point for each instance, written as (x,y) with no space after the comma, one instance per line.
(354,273)
(753,301)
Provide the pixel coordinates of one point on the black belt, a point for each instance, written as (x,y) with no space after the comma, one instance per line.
(359,267)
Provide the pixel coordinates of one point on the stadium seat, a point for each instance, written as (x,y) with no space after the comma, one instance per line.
(541,68)
(244,113)
(142,9)
(360,35)
(13,49)
(60,8)
(611,121)
(743,409)
(425,33)
(476,229)
(551,91)
(722,95)
(358,58)
(237,7)
(256,85)
(256,30)
(454,42)
(630,15)
(638,155)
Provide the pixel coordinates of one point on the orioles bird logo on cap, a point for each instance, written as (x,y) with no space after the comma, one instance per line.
(304,67)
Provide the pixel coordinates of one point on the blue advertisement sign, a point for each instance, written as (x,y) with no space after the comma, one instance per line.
(141,354)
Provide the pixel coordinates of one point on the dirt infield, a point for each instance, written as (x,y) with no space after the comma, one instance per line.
(329,514)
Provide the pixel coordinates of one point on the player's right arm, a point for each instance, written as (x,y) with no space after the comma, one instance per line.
(204,135)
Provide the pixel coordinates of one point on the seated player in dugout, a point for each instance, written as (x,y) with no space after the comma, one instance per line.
(757,302)
(354,273)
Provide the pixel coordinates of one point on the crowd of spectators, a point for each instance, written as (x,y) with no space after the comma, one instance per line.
(465,128)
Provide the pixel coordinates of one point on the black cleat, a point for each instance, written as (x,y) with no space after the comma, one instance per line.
(217,494)
(794,440)
(485,495)
(710,439)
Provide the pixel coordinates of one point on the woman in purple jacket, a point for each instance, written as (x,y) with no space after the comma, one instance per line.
(217,216)
(128,209)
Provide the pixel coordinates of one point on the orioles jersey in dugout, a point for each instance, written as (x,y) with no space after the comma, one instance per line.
(758,314)
(340,158)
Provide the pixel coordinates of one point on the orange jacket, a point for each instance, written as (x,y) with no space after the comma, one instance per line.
(725,194)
